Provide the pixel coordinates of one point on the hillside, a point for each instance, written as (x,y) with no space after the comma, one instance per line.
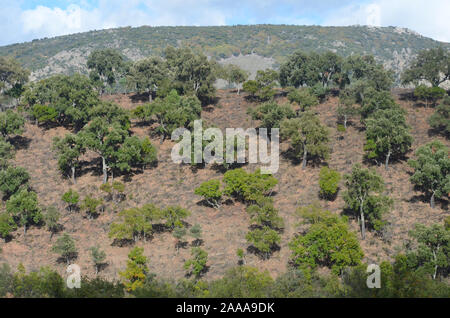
(224,229)
(67,54)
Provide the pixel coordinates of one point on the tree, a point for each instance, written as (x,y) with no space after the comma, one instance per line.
(90,205)
(44,114)
(193,74)
(148,76)
(264,240)
(271,114)
(136,223)
(251,86)
(7,225)
(12,75)
(69,150)
(134,152)
(329,182)
(365,69)
(196,232)
(72,198)
(6,153)
(105,66)
(51,218)
(12,179)
(364,186)
(431,65)
(427,94)
(11,123)
(210,191)
(135,273)
(234,74)
(346,108)
(387,135)
(72,97)
(433,250)
(23,206)
(174,216)
(248,187)
(179,233)
(197,264)
(308,137)
(98,257)
(175,111)
(298,71)
(440,120)
(432,170)
(263,213)
(303,97)
(374,101)
(65,247)
(328,242)
(105,140)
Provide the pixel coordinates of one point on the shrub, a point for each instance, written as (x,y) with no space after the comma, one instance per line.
(329,182)
(210,191)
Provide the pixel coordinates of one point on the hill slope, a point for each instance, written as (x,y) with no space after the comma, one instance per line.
(66,54)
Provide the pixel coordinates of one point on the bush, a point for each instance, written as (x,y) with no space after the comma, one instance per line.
(12,180)
(72,198)
(303,97)
(210,191)
(329,182)
(196,265)
(264,240)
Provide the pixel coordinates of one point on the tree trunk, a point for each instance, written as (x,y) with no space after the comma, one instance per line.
(73,175)
(363,223)
(305,154)
(96,269)
(24,230)
(387,160)
(432,200)
(238,89)
(105,170)
(345,121)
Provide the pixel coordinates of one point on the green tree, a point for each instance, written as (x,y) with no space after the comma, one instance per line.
(387,135)
(327,242)
(11,123)
(233,74)
(431,65)
(90,205)
(246,186)
(7,225)
(65,247)
(23,206)
(263,213)
(210,191)
(135,274)
(196,232)
(271,114)
(179,232)
(71,96)
(51,217)
(69,150)
(12,75)
(432,170)
(136,223)
(6,153)
(364,188)
(174,216)
(440,120)
(12,179)
(307,136)
(72,198)
(98,257)
(44,114)
(148,76)
(197,264)
(329,182)
(105,67)
(264,240)
(105,140)
(376,100)
(347,108)
(422,92)
(303,97)
(433,249)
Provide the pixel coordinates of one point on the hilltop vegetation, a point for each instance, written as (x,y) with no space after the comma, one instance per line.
(394,47)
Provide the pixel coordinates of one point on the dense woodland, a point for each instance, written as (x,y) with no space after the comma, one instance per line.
(326,257)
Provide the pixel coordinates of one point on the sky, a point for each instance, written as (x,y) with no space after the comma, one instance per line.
(22,20)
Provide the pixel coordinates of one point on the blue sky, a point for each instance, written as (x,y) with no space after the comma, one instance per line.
(22,20)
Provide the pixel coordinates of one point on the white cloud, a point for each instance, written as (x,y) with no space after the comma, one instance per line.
(429,18)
